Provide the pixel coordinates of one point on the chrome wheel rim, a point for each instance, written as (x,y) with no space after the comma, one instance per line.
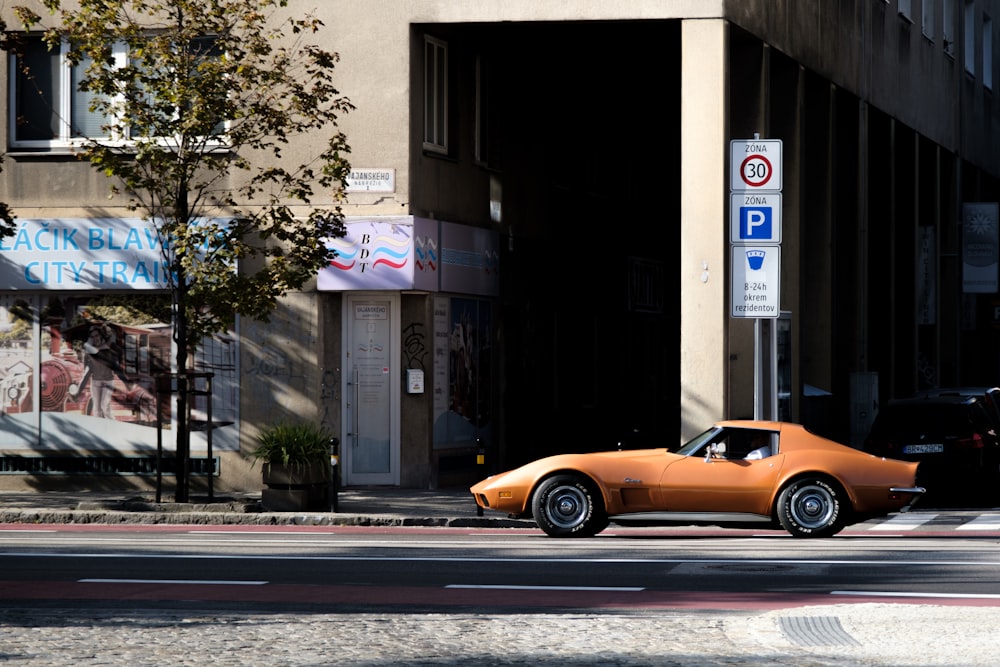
(567,506)
(812,506)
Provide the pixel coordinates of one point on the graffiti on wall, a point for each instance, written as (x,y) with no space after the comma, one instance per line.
(414,346)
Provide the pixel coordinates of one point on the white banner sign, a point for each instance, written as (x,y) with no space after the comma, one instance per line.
(980,242)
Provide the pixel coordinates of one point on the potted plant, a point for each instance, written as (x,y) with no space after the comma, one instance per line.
(295,466)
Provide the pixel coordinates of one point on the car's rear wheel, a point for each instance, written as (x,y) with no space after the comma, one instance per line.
(568,506)
(811,507)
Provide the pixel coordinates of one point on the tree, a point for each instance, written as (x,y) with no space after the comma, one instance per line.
(198,117)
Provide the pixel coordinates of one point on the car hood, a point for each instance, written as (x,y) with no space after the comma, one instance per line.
(543,466)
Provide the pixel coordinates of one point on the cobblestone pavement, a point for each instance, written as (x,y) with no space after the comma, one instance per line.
(843,636)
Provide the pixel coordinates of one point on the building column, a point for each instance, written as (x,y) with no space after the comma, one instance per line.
(704,230)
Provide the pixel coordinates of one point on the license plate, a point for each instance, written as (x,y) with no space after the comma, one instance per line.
(935,448)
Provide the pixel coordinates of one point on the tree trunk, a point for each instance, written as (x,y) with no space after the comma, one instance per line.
(181,340)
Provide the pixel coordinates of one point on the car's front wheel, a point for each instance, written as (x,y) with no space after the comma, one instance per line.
(568,506)
(811,507)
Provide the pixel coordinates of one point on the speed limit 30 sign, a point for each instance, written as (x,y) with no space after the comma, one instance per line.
(755,165)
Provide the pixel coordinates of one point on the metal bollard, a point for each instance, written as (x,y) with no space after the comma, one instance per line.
(334,472)
(480,460)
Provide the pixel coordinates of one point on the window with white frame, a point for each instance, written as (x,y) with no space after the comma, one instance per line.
(47,108)
(161,122)
(987,52)
(435,95)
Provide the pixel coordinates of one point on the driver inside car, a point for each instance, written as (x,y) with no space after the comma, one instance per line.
(761,447)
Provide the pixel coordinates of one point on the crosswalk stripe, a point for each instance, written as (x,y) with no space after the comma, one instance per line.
(983,522)
(904,522)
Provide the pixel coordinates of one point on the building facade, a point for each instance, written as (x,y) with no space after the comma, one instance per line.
(541,252)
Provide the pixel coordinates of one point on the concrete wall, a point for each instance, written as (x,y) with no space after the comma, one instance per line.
(704,229)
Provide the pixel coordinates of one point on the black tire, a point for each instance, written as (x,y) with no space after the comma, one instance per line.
(811,507)
(568,506)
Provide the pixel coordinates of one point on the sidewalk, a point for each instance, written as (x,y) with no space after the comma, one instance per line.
(376,506)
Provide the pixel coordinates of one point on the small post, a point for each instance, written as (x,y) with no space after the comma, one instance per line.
(334,473)
(480,460)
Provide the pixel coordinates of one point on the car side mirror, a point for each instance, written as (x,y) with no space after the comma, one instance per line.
(716,450)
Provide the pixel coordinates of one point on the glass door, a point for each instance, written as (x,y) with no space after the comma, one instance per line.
(370,447)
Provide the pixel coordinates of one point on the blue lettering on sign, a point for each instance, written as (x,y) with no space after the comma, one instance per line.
(755,223)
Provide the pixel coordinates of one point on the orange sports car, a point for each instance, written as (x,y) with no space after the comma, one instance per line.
(774,474)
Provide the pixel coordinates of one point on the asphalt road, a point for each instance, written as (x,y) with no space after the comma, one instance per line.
(361,568)
(330,595)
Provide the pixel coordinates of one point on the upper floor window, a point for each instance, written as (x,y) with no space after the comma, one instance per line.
(905,10)
(435,95)
(948,27)
(987,52)
(48,109)
(969,37)
(488,115)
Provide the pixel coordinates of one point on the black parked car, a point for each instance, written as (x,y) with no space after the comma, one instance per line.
(989,395)
(955,438)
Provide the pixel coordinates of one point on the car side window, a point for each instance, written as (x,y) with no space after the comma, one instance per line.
(750,444)
(738,444)
(762,451)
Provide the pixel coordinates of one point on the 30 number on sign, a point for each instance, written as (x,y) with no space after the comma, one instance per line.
(756,170)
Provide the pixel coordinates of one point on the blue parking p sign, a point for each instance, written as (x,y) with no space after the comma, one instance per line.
(755,218)
(755,223)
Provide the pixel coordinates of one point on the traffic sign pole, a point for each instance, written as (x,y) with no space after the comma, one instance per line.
(755,237)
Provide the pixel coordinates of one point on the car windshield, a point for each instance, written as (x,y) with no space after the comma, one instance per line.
(693,445)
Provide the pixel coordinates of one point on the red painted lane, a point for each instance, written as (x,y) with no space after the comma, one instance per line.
(402,597)
(355,530)
(226,528)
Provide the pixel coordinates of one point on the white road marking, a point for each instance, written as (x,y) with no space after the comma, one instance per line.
(29,530)
(906,521)
(221,582)
(983,522)
(500,587)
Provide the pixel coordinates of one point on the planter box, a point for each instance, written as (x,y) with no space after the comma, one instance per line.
(297,487)
(286,500)
(277,475)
